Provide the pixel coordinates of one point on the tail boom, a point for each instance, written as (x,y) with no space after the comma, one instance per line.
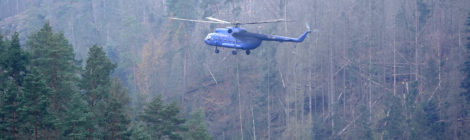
(283,39)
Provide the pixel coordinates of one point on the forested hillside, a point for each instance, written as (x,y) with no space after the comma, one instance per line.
(45,94)
(375,69)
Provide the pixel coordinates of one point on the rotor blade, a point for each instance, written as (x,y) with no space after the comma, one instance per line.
(201,21)
(217,20)
(307,25)
(267,21)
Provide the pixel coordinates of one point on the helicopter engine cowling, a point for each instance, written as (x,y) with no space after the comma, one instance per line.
(235,30)
(230,30)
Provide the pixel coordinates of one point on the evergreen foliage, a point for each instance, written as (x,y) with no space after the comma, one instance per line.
(16,60)
(427,124)
(104,100)
(78,118)
(96,76)
(162,119)
(465,84)
(392,125)
(115,116)
(196,127)
(139,132)
(9,111)
(39,96)
(14,67)
(35,115)
(424,11)
(335,85)
(53,56)
(363,128)
(2,64)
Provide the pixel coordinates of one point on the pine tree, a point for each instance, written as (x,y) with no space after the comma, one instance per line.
(115,119)
(173,124)
(392,124)
(362,130)
(431,121)
(428,124)
(139,132)
(465,84)
(2,64)
(96,76)
(9,111)
(53,56)
(3,82)
(3,76)
(162,120)
(153,115)
(96,84)
(77,118)
(196,127)
(15,61)
(35,114)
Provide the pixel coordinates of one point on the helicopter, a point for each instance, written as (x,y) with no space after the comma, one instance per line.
(238,38)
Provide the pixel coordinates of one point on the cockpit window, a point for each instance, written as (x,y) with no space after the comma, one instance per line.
(208,37)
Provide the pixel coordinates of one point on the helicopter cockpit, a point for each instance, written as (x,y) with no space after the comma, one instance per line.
(208,37)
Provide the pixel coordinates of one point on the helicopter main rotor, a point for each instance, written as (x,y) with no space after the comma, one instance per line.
(212,20)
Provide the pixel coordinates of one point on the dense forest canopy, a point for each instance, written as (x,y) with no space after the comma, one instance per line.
(47,94)
(120,69)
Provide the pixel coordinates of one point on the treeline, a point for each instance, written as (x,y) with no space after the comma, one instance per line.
(47,94)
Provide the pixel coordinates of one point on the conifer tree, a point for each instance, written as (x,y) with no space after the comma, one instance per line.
(139,132)
(96,84)
(15,61)
(362,125)
(3,76)
(96,76)
(197,129)
(2,48)
(465,84)
(9,111)
(162,120)
(115,119)
(53,56)
(35,113)
(392,124)
(77,118)
(2,64)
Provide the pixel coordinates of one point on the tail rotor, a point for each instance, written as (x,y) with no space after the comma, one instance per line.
(309,30)
(308,26)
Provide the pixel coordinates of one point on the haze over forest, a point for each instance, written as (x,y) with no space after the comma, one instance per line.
(121,69)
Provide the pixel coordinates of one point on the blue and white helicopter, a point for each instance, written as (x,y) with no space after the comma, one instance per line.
(238,38)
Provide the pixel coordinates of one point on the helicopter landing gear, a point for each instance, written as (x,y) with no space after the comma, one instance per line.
(234,52)
(216,50)
(248,52)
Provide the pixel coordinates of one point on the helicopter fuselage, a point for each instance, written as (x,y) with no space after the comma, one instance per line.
(238,38)
(222,38)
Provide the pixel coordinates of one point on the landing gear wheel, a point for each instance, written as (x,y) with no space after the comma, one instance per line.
(234,52)
(248,52)
(216,50)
